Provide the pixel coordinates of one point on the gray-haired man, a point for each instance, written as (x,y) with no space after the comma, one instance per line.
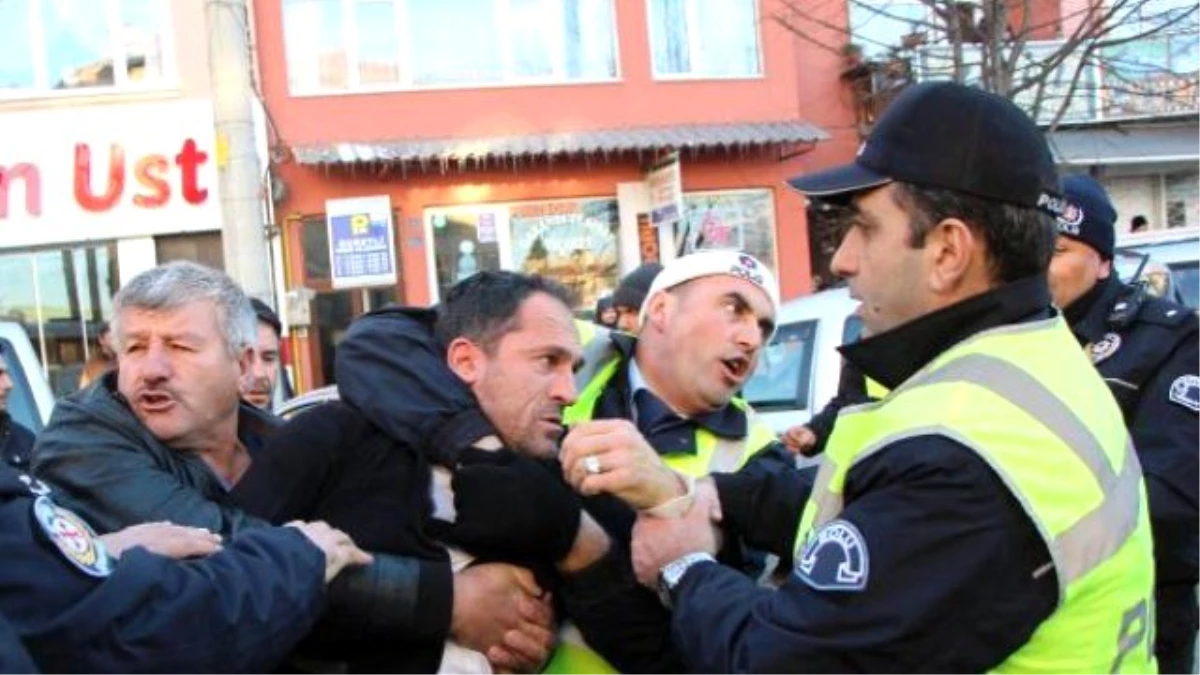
(164,438)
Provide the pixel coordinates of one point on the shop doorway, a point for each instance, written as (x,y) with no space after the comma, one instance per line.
(332,309)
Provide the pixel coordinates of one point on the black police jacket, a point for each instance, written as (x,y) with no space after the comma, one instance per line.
(949,576)
(14,658)
(74,609)
(1148,351)
(110,469)
(16,443)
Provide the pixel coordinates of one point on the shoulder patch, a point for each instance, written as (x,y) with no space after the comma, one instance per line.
(73,538)
(835,558)
(1104,347)
(1185,391)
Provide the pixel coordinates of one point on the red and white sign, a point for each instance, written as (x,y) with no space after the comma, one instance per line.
(106,172)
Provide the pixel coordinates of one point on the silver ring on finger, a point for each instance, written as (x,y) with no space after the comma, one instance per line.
(591,464)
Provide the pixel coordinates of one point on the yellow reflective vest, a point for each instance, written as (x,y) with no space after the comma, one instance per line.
(713,453)
(1029,404)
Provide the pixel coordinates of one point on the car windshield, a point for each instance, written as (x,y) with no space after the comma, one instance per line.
(20,400)
(1187,280)
(781,380)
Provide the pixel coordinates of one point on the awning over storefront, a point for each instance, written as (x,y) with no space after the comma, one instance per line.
(1126,144)
(600,142)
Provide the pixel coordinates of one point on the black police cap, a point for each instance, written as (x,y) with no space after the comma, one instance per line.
(950,136)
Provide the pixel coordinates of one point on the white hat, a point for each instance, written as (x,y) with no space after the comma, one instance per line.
(711,263)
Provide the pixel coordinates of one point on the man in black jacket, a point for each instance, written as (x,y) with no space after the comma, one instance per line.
(165,437)
(429,398)
(1146,349)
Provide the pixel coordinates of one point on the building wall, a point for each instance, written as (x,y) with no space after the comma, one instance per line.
(636,99)
(799,81)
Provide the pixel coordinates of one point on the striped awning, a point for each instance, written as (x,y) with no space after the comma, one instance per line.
(605,142)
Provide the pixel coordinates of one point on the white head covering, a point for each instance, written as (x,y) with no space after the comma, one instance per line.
(713,263)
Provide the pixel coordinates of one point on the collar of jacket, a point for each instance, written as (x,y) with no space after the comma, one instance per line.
(892,357)
(1088,315)
(616,401)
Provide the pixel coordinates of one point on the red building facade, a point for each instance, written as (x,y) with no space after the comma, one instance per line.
(517,134)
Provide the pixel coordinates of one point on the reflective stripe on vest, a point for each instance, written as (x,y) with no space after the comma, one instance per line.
(1022,399)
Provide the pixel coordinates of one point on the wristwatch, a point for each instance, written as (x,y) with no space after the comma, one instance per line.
(671,573)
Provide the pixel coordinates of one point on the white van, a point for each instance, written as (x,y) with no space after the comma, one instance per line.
(30,401)
(798,371)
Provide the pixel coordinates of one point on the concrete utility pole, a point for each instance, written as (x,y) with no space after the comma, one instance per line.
(243,235)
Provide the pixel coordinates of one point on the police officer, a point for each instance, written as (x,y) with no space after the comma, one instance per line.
(987,514)
(1146,349)
(82,603)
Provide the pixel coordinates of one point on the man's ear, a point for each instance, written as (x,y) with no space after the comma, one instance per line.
(466,359)
(658,307)
(245,365)
(952,249)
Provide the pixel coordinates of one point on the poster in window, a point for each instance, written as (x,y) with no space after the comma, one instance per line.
(571,241)
(464,242)
(362,245)
(741,220)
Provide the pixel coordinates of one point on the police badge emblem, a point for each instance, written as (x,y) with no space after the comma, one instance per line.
(73,538)
(835,558)
(1104,347)
(1185,391)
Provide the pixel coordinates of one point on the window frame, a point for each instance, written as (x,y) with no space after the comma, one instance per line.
(42,87)
(695,49)
(405,57)
(805,374)
(773,219)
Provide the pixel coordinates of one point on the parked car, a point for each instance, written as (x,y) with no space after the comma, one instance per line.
(798,371)
(309,399)
(1169,261)
(30,401)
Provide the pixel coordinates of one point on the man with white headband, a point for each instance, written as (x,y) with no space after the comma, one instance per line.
(658,411)
(662,406)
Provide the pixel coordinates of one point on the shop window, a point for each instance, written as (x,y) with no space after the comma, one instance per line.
(739,219)
(704,38)
(61,297)
(203,248)
(573,241)
(465,241)
(339,45)
(58,45)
